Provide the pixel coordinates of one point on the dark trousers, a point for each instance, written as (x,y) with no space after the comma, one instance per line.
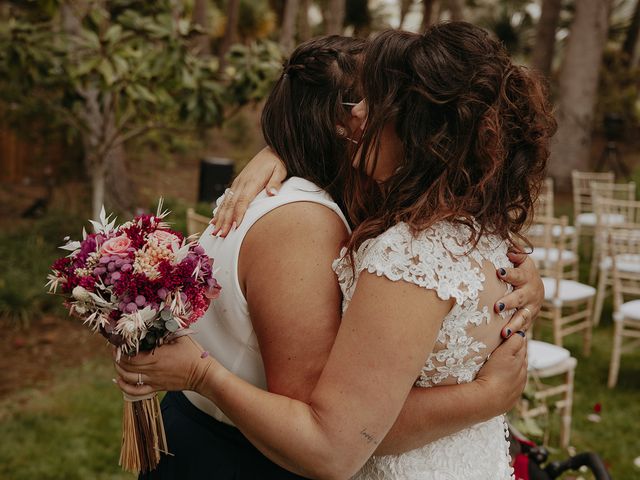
(204,448)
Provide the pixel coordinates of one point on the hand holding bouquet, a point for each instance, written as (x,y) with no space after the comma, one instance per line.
(140,285)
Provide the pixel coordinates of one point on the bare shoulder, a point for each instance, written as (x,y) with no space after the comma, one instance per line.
(309,222)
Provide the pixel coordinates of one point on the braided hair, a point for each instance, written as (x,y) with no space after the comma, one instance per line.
(301,114)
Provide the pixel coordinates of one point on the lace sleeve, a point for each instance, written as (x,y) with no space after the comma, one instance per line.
(437,259)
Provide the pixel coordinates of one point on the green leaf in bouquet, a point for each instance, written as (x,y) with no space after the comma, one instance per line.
(166,315)
(158,323)
(172,325)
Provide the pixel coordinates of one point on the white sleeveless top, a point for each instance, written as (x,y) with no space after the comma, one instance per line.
(225,330)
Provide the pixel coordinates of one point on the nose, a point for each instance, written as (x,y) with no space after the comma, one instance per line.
(359,110)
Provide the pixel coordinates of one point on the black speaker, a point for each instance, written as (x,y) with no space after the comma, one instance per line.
(215,175)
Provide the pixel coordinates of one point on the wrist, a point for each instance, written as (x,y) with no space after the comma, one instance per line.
(210,378)
(490,398)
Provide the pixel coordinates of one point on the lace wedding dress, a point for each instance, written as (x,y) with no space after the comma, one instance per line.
(441,258)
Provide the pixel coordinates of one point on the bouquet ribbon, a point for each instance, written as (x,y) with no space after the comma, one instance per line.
(143,436)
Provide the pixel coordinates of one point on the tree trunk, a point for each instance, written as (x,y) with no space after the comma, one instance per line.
(405,6)
(119,192)
(429,16)
(578,87)
(544,47)
(201,43)
(334,17)
(233,9)
(456,8)
(105,164)
(97,190)
(304,29)
(631,44)
(287,31)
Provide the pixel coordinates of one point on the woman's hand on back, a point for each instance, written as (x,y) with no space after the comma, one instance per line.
(264,171)
(504,376)
(527,295)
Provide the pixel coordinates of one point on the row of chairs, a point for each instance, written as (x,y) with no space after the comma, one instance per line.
(573,306)
(609,214)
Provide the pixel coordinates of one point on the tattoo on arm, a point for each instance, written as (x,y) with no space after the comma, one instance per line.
(368,437)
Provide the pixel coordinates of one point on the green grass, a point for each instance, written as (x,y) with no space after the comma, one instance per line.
(68,431)
(617,437)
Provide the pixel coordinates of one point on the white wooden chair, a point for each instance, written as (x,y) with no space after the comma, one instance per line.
(547,361)
(602,193)
(196,223)
(552,241)
(545,207)
(568,304)
(624,247)
(584,215)
(629,211)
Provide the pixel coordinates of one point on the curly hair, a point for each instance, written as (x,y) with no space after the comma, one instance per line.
(474,129)
(300,116)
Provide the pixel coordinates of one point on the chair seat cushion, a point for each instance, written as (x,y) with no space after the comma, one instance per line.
(589,219)
(551,255)
(570,290)
(537,230)
(631,310)
(627,262)
(544,355)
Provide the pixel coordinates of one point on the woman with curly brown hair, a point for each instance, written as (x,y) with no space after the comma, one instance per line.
(455,137)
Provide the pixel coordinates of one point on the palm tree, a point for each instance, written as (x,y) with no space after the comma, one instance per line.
(578,88)
(334,16)
(233,9)
(429,15)
(545,43)
(631,44)
(287,31)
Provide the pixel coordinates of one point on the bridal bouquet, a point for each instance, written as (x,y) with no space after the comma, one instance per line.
(140,285)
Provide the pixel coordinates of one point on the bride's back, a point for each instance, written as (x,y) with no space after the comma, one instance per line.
(442,258)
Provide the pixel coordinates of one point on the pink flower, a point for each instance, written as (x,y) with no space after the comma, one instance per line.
(116,245)
(166,239)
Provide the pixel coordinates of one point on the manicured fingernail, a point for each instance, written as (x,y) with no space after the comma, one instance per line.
(272,191)
(234,225)
(506,333)
(521,333)
(502,272)
(501,306)
(204,354)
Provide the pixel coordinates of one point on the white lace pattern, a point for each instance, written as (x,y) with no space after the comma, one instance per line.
(442,259)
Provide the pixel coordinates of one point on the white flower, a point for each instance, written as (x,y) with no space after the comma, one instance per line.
(133,327)
(81,293)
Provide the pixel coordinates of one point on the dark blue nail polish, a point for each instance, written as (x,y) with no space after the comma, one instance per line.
(501,306)
(503,272)
(521,333)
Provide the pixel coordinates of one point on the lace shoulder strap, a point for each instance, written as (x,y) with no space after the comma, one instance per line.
(436,259)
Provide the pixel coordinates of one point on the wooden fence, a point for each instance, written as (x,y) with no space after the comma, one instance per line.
(24,159)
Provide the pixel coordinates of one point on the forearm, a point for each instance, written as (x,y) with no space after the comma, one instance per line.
(289,432)
(432,413)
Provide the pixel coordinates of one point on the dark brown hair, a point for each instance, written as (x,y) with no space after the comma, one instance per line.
(300,116)
(474,129)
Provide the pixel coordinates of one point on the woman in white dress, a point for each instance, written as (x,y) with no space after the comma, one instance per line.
(457,166)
